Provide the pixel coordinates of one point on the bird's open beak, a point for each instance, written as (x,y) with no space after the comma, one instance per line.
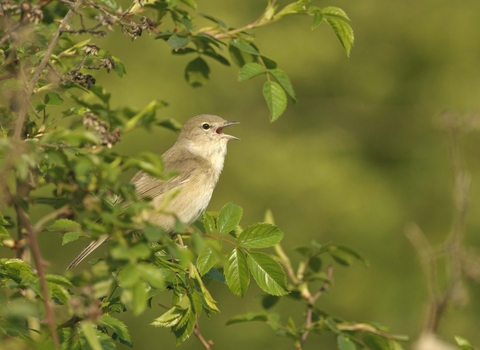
(220,131)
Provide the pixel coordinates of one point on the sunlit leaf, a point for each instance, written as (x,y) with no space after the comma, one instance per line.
(276,99)
(250,70)
(345,343)
(268,273)
(236,272)
(344,33)
(229,218)
(260,236)
(284,81)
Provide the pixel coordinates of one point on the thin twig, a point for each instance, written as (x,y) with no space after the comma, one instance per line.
(32,240)
(207,344)
(310,306)
(43,63)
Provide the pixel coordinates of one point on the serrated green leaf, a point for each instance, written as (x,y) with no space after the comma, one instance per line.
(344,33)
(208,223)
(284,81)
(250,70)
(197,72)
(64,225)
(71,236)
(205,261)
(115,325)
(260,235)
(244,46)
(53,99)
(170,318)
(345,343)
(228,218)
(276,99)
(236,272)
(177,42)
(268,273)
(333,11)
(185,327)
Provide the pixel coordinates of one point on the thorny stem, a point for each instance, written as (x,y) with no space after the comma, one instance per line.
(207,344)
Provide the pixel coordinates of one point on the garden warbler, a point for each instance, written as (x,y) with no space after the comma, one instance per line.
(197,157)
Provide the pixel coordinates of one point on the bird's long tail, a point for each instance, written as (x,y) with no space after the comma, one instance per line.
(90,248)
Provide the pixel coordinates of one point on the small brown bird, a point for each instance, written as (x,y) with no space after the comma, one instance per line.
(197,157)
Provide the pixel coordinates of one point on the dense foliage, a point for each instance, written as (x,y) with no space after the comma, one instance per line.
(57,150)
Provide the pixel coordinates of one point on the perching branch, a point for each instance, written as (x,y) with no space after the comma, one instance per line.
(207,344)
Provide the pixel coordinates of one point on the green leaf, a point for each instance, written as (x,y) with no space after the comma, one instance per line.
(250,70)
(213,19)
(129,276)
(154,276)
(229,218)
(205,261)
(463,343)
(344,33)
(145,116)
(139,298)
(64,225)
(115,325)
(177,42)
(244,46)
(236,272)
(333,11)
(185,327)
(53,99)
(119,67)
(88,331)
(197,72)
(260,236)
(276,99)
(284,81)
(58,279)
(208,223)
(217,57)
(345,343)
(249,317)
(190,3)
(71,236)
(268,273)
(169,318)
(239,57)
(376,342)
(317,19)
(345,256)
(171,124)
(269,301)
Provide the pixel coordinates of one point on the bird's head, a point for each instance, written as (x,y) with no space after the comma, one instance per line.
(204,134)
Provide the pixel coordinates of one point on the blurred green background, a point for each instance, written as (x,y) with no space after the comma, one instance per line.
(355,160)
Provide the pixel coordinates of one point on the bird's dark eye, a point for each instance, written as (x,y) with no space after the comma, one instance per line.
(206,126)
